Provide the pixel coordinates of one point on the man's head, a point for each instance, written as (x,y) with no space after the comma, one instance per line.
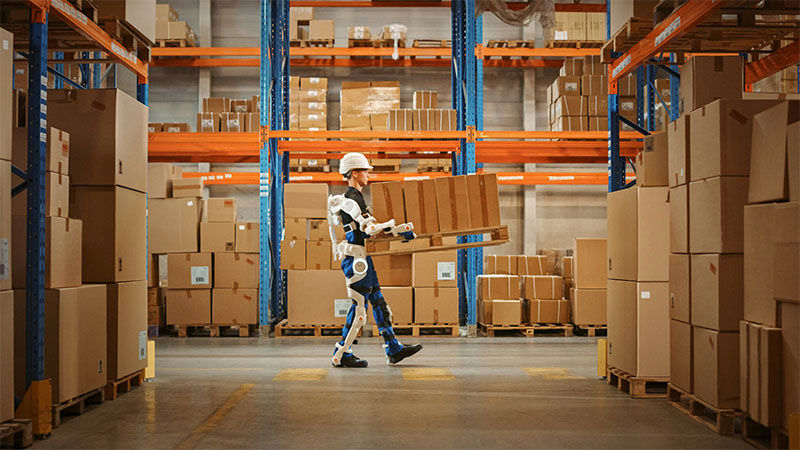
(354,167)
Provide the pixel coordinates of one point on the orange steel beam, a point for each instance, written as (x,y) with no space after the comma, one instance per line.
(775,62)
(382,62)
(538,52)
(370,51)
(560,7)
(90,30)
(502,134)
(682,20)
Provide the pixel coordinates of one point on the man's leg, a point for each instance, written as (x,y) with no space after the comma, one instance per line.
(383,319)
(356,318)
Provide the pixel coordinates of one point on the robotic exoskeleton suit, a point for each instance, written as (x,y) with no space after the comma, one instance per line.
(350,211)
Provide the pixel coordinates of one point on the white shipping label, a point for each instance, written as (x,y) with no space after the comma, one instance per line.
(143,344)
(4,261)
(341,306)
(561,35)
(570,86)
(200,275)
(233,123)
(208,123)
(242,227)
(5,44)
(445,271)
(312,162)
(314,80)
(240,108)
(627,106)
(190,203)
(645,294)
(173,130)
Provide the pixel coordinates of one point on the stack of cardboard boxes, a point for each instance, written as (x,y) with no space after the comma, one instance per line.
(768,335)
(365,105)
(6,294)
(169,26)
(578,98)
(223,114)
(308,110)
(303,26)
(588,297)
(638,268)
(580,26)
(139,16)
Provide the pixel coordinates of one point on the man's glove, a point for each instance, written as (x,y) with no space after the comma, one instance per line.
(408,235)
(404,230)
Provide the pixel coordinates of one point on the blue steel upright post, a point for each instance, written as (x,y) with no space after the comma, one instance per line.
(616,164)
(264,230)
(37,150)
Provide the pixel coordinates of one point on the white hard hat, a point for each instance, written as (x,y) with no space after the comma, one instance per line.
(352,161)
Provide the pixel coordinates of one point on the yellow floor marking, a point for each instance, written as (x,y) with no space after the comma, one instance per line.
(552,373)
(215,418)
(427,374)
(301,374)
(202,369)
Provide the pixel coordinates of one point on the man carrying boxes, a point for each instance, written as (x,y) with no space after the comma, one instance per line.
(350,210)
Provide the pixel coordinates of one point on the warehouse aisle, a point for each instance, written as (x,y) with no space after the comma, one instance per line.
(476,393)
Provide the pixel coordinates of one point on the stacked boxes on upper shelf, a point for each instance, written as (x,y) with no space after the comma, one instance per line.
(425,115)
(366,105)
(578,99)
(223,114)
(6,294)
(308,111)
(580,26)
(303,26)
(169,27)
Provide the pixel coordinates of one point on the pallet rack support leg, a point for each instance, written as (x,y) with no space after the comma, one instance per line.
(264,230)
(616,164)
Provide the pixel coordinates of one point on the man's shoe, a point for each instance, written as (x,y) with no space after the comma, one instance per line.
(405,352)
(352,361)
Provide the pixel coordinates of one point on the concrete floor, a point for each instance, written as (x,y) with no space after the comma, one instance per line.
(474,393)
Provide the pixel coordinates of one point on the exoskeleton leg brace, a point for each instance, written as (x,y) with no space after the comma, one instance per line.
(359,319)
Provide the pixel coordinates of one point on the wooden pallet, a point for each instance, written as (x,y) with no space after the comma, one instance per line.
(124,384)
(433,242)
(763,437)
(722,421)
(503,43)
(431,43)
(360,43)
(322,168)
(378,43)
(575,44)
(591,330)
(311,43)
(77,405)
(536,329)
(283,329)
(434,168)
(174,43)
(422,329)
(385,168)
(16,433)
(214,330)
(637,387)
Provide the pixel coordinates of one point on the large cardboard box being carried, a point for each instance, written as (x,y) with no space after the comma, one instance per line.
(317,297)
(436,305)
(75,340)
(638,234)
(638,327)
(114,222)
(173,225)
(126,316)
(107,127)
(420,205)
(6,355)
(590,263)
(62,249)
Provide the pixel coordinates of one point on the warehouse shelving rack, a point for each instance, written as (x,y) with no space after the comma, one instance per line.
(42,11)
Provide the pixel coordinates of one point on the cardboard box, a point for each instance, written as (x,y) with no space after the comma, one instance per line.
(436,305)
(209,122)
(126,316)
(680,355)
(6,355)
(786,262)
(387,201)
(499,287)
(485,312)
(652,163)
(548,311)
(588,306)
(159,179)
(400,300)
(500,264)
(435,269)
(318,255)
(234,306)
(137,14)
(679,219)
(708,78)
(294,228)
(531,265)
(425,100)
(570,105)
(572,67)
(236,270)
(566,86)
(173,225)
(774,173)
(716,215)
(598,106)
(359,32)
(566,267)
(6,97)
(301,14)
(680,292)
(393,270)
(321,29)
(790,344)
(219,210)
(293,254)
(7,230)
(638,327)
(115,218)
(452,203)
(62,250)
(420,205)
(187,187)
(247,237)
(594,85)
(723,129)
(305,200)
(484,201)
(317,297)
(216,105)
(542,287)
(758,268)
(318,230)
(166,13)
(107,127)
(717,286)
(590,263)
(56,201)
(75,350)
(189,306)
(506,312)
(679,155)
(189,271)
(313,83)
(716,367)
(57,148)
(233,122)
(638,234)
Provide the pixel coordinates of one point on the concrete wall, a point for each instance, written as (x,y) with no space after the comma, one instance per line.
(538,217)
